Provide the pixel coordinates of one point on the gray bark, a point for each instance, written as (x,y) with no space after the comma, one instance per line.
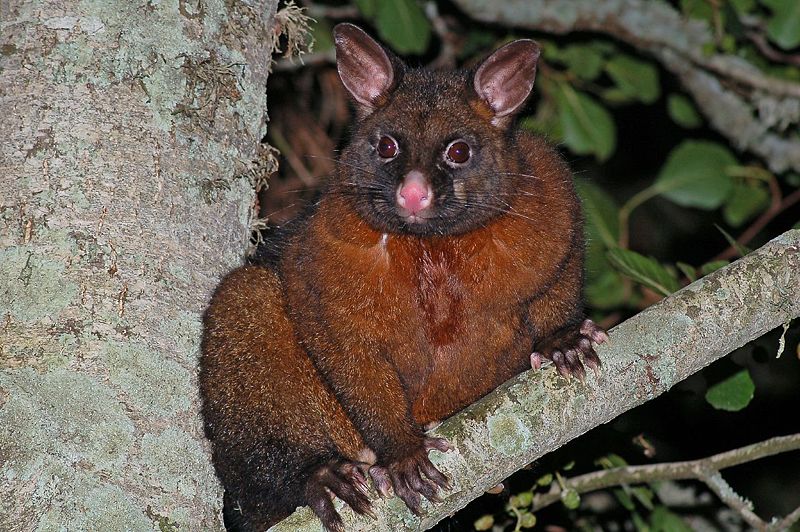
(128,129)
(539,411)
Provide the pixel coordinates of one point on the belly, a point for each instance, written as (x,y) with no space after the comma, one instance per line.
(489,349)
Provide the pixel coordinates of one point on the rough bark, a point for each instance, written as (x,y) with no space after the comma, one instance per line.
(128,129)
(538,412)
(746,106)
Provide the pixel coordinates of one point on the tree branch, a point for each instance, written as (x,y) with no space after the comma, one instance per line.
(538,412)
(748,107)
(705,470)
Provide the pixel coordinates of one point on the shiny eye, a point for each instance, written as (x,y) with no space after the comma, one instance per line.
(458,152)
(387,147)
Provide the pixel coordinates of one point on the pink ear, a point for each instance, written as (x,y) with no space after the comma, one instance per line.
(505,79)
(364,66)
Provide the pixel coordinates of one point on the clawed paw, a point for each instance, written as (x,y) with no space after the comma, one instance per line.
(571,349)
(344,479)
(413,476)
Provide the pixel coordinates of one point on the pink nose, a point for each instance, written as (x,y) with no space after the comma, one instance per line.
(414,193)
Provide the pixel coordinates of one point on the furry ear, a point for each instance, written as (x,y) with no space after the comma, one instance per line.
(365,68)
(505,79)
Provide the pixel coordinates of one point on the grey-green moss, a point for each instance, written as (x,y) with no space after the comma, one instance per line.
(36,288)
(81,504)
(174,458)
(507,434)
(82,423)
(154,385)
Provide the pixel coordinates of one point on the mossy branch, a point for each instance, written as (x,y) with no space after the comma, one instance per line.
(538,412)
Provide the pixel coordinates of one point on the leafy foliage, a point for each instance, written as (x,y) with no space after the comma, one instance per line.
(694,175)
(400,23)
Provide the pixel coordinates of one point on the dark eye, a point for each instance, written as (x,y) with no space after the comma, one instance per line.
(387,147)
(458,152)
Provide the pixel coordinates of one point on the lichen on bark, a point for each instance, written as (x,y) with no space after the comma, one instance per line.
(109,249)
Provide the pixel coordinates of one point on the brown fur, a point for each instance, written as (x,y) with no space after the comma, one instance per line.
(363,333)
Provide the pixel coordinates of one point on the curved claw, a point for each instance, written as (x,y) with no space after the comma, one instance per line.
(343,479)
(414,476)
(571,349)
(593,331)
(381,479)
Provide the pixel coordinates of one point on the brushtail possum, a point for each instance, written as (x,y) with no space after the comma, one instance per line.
(444,257)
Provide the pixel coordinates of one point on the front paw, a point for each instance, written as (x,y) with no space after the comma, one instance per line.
(344,479)
(413,476)
(566,347)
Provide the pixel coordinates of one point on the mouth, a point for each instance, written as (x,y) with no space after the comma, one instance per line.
(414,218)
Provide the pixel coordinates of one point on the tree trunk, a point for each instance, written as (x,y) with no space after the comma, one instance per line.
(129,134)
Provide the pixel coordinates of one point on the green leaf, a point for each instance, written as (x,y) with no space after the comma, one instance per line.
(714,265)
(644,495)
(784,26)
(688,270)
(732,394)
(635,77)
(527,520)
(639,524)
(745,202)
(743,6)
(570,499)
(403,25)
(644,270)
(663,520)
(610,461)
(605,288)
(624,499)
(695,175)
(586,126)
(697,9)
(545,480)
(524,499)
(616,95)
(583,60)
(601,211)
(368,8)
(683,112)
(486,522)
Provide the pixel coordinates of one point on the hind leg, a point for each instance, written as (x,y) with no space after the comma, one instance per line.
(280,438)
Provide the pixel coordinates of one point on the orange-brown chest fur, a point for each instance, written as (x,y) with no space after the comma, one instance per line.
(430,306)
(447,311)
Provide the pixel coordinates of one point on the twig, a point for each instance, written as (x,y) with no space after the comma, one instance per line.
(787,521)
(733,500)
(704,469)
(771,53)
